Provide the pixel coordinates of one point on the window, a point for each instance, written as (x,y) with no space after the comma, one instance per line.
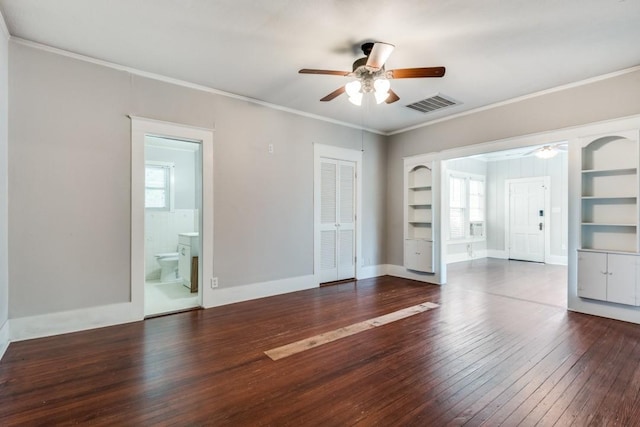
(158,182)
(466,206)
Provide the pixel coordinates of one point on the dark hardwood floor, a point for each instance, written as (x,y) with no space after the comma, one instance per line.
(490,354)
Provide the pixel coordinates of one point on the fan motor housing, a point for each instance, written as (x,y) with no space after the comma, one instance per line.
(359,63)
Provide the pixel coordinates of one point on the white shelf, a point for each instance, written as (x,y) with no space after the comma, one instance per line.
(621,171)
(605,224)
(608,251)
(608,197)
(418,248)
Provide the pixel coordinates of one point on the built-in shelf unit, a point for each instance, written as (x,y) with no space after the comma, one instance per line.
(418,247)
(608,256)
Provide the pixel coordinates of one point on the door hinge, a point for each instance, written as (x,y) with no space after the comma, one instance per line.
(355,259)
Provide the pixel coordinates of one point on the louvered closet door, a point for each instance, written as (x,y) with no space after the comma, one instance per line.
(337,220)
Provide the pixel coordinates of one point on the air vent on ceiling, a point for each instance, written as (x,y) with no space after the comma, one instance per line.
(436,102)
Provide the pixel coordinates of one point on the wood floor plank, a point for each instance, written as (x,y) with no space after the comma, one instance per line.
(500,349)
(346,331)
(517,408)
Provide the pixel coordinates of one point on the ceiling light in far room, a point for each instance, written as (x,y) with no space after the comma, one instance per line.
(546,152)
(353,90)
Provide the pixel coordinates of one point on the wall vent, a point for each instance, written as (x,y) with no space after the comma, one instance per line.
(436,102)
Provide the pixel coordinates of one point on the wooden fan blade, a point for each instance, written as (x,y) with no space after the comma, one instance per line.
(411,73)
(379,55)
(333,94)
(393,97)
(330,72)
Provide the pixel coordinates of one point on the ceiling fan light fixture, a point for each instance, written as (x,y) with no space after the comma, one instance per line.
(356,99)
(381,97)
(353,88)
(546,152)
(381,87)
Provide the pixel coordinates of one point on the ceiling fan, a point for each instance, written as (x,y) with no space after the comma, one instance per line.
(371,75)
(548,151)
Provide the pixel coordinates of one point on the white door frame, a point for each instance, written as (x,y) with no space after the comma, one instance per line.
(328,151)
(141,127)
(546,182)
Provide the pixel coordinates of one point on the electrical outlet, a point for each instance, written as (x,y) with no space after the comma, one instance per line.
(214,282)
(270,148)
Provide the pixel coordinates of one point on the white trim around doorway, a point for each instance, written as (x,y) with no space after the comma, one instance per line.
(141,127)
(328,151)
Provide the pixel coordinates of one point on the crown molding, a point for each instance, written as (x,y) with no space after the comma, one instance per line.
(211,90)
(519,99)
(184,83)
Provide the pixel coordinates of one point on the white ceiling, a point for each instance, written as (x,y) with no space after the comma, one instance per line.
(494,50)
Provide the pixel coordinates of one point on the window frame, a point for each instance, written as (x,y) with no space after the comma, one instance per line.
(466,206)
(169,187)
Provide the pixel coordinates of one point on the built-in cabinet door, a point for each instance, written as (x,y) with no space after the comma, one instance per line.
(621,278)
(411,254)
(607,277)
(419,254)
(592,275)
(337,220)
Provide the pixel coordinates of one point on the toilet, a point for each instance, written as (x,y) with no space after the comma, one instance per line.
(168,266)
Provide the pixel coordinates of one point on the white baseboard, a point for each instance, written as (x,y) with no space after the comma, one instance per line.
(493,253)
(370,271)
(557,260)
(400,271)
(44,325)
(464,256)
(224,296)
(551,259)
(5,338)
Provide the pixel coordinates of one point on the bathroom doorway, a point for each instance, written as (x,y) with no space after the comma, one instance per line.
(171,217)
(173,188)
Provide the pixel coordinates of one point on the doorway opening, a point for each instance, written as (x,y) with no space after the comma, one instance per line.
(171,217)
(173,202)
(509,205)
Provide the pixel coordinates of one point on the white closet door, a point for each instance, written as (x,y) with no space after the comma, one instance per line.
(337,220)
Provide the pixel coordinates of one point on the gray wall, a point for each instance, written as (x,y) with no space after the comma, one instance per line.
(499,171)
(605,99)
(4,195)
(69,178)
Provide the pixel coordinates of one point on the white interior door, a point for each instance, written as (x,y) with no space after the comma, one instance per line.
(337,220)
(526,219)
